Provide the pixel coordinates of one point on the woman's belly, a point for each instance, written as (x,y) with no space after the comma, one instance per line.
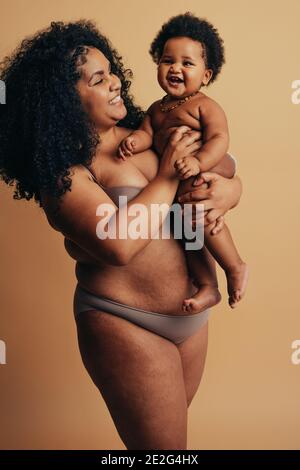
(157,279)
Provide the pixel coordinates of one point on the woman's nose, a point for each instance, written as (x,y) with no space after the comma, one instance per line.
(115,83)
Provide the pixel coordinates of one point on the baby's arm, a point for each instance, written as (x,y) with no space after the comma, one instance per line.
(139,140)
(215,138)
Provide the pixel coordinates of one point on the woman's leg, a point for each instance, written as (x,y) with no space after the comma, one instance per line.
(140,377)
(193,353)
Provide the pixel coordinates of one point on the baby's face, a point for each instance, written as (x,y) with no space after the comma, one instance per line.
(182,69)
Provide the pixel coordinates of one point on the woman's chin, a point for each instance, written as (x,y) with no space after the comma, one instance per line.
(121,113)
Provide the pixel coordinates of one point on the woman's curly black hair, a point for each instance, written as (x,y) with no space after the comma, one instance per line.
(43,127)
(198,29)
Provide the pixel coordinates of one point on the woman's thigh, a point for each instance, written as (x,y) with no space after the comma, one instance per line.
(193,355)
(139,375)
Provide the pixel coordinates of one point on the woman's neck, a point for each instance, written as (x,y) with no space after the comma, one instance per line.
(108,140)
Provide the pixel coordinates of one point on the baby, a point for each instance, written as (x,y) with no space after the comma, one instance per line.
(189,53)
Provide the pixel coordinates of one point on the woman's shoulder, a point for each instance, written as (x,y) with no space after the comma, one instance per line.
(75,172)
(78,174)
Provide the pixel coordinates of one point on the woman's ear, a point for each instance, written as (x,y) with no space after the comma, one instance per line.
(207,77)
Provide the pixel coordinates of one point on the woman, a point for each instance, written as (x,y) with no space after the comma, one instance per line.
(68,108)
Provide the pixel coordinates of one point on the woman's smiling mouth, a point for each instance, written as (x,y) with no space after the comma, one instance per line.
(117,99)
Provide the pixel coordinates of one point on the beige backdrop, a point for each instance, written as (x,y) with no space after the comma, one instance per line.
(249,396)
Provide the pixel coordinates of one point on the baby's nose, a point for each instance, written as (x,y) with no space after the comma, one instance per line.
(176,67)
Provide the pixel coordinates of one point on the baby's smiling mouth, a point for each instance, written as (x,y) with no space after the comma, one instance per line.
(174,79)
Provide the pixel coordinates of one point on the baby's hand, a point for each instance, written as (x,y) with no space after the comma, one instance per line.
(186,167)
(126,147)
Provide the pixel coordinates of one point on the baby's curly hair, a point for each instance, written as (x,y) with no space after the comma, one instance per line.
(43,127)
(198,29)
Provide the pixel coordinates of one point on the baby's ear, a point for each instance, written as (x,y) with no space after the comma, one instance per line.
(207,76)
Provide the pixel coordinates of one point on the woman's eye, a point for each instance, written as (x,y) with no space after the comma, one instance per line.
(102,79)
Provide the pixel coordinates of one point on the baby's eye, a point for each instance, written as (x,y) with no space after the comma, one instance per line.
(166,61)
(188,63)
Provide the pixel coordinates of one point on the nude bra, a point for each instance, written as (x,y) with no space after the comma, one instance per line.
(116,191)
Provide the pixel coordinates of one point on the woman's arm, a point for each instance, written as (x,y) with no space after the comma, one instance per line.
(87,206)
(219,195)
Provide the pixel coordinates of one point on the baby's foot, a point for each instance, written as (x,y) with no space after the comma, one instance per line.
(237,278)
(207,296)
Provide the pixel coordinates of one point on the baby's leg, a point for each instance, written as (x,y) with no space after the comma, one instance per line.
(202,268)
(222,247)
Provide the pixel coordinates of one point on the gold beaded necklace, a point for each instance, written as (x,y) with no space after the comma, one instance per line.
(178,103)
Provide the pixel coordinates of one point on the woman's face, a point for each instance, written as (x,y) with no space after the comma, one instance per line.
(100,91)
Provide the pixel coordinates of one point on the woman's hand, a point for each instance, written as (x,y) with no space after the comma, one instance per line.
(180,145)
(161,138)
(217,194)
